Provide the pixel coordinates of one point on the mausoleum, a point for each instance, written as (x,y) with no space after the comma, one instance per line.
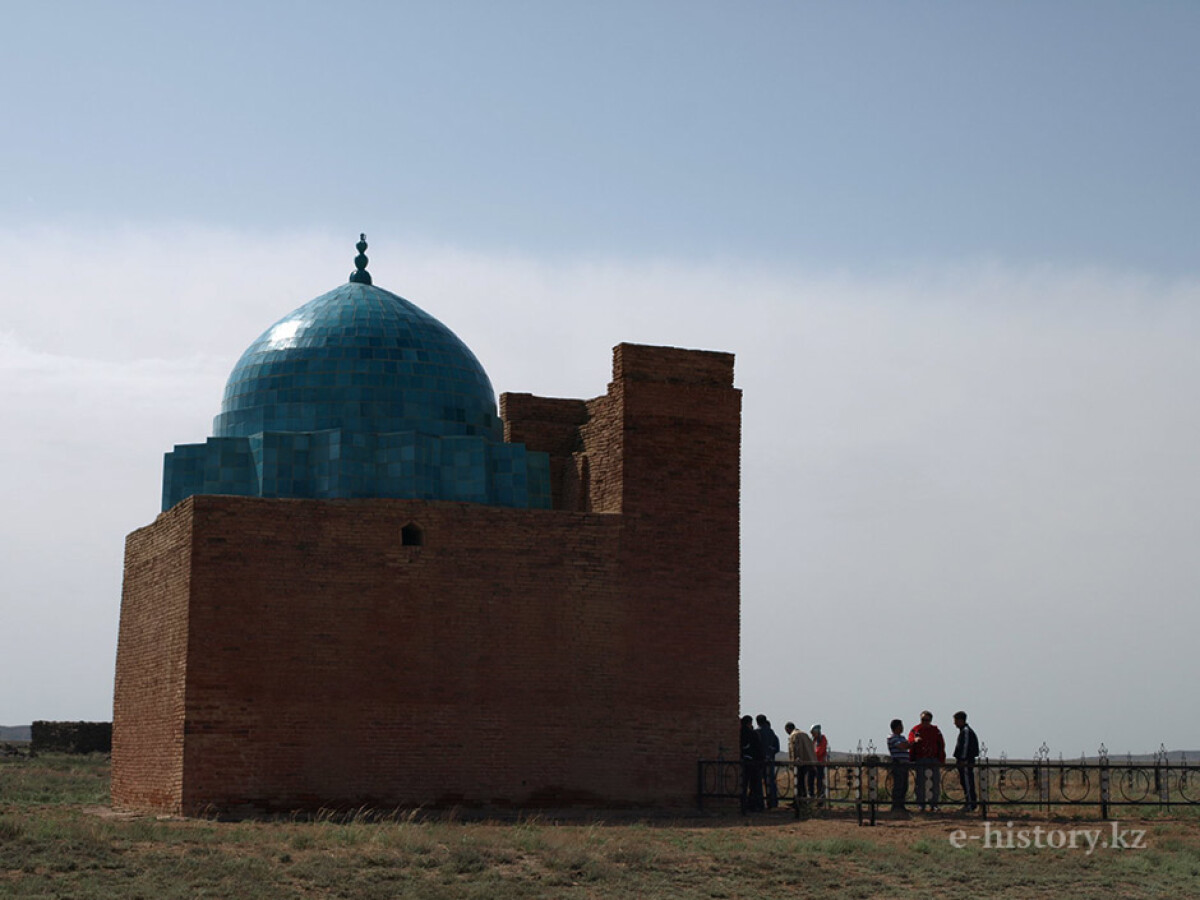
(372,586)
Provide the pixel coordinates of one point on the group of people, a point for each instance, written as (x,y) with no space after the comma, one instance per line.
(760,747)
(922,752)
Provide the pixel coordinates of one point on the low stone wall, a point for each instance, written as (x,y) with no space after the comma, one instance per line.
(71,737)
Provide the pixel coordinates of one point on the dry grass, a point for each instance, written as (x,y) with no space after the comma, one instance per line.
(57,840)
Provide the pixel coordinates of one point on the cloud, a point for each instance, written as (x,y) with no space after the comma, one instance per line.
(964,485)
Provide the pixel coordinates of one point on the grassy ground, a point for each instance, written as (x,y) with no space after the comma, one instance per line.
(58,839)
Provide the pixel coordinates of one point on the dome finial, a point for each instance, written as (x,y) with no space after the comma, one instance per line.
(360,275)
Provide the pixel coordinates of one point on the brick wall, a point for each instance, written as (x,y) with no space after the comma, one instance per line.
(521,657)
(680,435)
(148,706)
(551,425)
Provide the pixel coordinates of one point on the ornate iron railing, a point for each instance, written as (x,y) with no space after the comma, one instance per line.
(864,783)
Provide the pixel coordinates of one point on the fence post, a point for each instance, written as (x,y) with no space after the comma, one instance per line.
(1162,774)
(1105,795)
(983,781)
(1043,777)
(858,781)
(858,789)
(872,783)
(795,770)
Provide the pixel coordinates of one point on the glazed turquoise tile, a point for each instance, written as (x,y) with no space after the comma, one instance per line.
(359,393)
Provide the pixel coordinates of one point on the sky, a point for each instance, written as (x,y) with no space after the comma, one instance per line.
(954,248)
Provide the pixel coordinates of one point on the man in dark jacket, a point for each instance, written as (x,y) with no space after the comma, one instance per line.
(770,745)
(966,751)
(752,760)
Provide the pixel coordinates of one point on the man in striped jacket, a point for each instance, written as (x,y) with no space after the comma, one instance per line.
(898,750)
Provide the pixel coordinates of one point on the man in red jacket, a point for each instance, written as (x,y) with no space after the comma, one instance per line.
(927,749)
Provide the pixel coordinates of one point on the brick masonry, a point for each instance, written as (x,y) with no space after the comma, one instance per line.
(298,654)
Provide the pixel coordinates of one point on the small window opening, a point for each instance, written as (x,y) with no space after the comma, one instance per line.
(411,535)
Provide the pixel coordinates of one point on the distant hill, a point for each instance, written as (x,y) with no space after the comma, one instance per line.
(14,732)
(1174,757)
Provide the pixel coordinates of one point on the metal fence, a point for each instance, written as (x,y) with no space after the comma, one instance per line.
(864,783)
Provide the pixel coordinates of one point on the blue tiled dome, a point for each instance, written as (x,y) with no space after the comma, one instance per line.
(361,359)
(358,394)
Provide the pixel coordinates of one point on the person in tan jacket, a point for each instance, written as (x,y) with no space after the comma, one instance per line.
(804,755)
